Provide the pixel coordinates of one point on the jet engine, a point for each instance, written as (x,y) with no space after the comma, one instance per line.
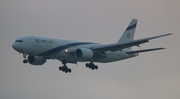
(36,60)
(84,54)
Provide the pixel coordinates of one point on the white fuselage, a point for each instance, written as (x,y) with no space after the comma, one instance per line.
(57,49)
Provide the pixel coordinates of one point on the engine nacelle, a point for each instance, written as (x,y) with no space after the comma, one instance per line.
(84,54)
(36,60)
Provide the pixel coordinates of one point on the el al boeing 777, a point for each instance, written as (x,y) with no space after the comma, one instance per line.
(36,50)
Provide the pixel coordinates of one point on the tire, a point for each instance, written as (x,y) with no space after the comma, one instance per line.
(69,70)
(60,68)
(25,61)
(96,67)
(87,65)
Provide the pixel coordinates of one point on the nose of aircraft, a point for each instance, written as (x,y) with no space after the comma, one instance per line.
(18,45)
(14,46)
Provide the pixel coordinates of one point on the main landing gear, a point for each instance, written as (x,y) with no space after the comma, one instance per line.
(64,68)
(91,65)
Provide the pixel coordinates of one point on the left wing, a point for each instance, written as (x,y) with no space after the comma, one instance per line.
(120,46)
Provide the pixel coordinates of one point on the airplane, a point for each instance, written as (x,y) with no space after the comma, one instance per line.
(36,50)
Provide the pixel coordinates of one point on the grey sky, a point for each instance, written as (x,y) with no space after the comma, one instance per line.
(153,75)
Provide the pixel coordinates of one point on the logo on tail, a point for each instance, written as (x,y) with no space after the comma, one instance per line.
(128,35)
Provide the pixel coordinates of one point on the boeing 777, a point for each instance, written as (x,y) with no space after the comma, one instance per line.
(36,50)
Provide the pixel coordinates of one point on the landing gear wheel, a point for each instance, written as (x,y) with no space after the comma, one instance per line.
(95,67)
(69,70)
(87,65)
(25,61)
(60,68)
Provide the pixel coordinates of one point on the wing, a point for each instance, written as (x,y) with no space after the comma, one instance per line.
(145,50)
(120,46)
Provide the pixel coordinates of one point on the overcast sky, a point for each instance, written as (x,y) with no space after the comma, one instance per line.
(153,75)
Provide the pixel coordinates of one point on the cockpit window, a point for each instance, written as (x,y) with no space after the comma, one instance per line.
(19,41)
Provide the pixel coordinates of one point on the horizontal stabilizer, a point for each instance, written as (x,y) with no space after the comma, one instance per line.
(145,50)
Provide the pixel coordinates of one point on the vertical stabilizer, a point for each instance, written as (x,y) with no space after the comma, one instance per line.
(128,34)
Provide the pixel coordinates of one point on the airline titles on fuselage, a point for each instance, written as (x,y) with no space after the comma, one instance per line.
(43,41)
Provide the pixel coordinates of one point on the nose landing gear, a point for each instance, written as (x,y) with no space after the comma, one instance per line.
(24,56)
(25,61)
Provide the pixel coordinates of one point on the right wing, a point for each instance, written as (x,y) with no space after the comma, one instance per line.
(120,46)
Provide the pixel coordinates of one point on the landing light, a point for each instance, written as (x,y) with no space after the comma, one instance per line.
(66,50)
(22,54)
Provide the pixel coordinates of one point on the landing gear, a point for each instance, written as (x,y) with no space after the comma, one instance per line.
(24,56)
(64,68)
(25,61)
(91,65)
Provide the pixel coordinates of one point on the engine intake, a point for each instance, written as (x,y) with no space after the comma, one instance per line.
(36,60)
(84,54)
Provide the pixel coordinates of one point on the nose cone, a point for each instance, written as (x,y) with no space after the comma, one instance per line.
(14,46)
(18,45)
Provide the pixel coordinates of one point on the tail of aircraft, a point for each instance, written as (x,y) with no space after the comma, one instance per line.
(128,34)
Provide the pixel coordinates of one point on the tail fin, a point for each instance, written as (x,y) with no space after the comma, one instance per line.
(128,34)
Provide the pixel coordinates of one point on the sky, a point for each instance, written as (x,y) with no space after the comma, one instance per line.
(153,75)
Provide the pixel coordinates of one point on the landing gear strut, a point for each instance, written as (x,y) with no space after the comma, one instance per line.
(91,65)
(64,68)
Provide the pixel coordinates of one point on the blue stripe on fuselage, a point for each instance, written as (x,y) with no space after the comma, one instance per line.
(131,27)
(60,48)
